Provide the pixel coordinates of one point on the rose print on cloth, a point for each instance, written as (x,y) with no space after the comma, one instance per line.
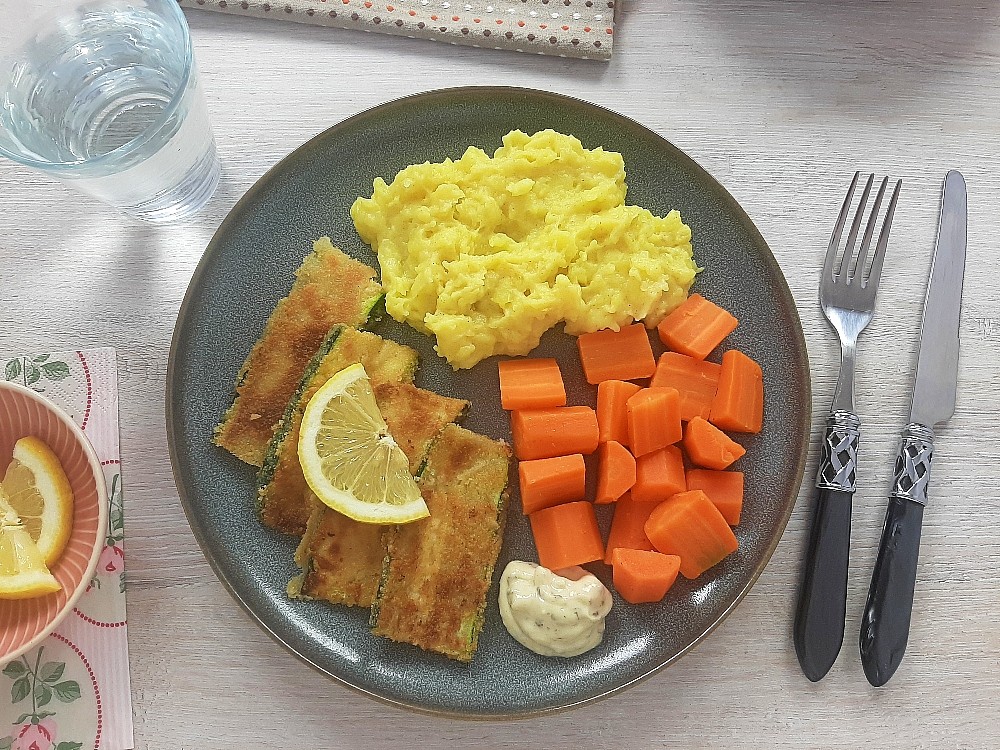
(31,372)
(112,560)
(40,736)
(46,686)
(111,565)
(59,377)
(103,604)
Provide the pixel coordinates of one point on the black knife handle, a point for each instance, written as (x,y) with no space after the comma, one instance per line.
(885,624)
(819,617)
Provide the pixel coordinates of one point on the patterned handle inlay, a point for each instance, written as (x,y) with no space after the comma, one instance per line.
(913,464)
(838,464)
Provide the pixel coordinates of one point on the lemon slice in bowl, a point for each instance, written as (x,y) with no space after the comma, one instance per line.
(38,491)
(23,572)
(349,459)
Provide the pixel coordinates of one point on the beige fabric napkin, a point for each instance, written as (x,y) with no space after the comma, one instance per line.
(569,28)
(73,691)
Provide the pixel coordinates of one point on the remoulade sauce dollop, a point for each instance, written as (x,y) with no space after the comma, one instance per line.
(553,614)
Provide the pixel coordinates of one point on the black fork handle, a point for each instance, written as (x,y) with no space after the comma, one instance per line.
(819,619)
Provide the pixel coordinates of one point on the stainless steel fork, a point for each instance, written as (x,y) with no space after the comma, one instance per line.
(847,292)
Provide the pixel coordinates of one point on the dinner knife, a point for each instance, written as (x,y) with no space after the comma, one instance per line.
(885,624)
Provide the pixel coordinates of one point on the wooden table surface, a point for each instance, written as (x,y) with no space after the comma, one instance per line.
(781,100)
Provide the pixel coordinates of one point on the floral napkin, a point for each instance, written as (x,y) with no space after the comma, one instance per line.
(73,691)
(568,28)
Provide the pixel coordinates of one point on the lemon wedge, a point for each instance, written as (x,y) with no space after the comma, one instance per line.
(23,572)
(38,491)
(349,459)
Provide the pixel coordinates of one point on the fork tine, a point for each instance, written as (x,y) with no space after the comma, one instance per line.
(852,237)
(857,268)
(838,228)
(883,239)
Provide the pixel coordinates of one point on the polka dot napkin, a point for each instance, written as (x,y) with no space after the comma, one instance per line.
(569,28)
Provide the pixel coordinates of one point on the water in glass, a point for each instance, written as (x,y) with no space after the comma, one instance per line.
(108,99)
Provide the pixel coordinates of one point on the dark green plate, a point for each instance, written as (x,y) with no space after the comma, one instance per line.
(248,267)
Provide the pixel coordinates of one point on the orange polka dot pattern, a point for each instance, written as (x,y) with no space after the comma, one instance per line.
(569,28)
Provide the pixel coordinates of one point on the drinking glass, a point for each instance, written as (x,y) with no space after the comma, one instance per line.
(104,95)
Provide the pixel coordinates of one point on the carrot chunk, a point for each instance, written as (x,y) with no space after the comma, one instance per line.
(616,355)
(566,535)
(654,420)
(612,415)
(690,526)
(628,526)
(531,384)
(695,380)
(710,447)
(558,431)
(696,327)
(658,475)
(641,576)
(549,481)
(724,489)
(615,472)
(739,402)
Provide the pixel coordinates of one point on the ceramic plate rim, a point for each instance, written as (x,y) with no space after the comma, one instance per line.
(262,184)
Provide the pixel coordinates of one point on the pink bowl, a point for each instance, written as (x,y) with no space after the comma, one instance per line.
(25,622)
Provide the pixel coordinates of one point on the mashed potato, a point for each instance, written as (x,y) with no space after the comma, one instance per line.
(487,253)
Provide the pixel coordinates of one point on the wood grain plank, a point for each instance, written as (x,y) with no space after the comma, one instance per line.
(782,100)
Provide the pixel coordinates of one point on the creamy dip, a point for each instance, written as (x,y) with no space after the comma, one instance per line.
(553,614)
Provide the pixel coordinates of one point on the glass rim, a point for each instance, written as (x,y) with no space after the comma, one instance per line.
(146,135)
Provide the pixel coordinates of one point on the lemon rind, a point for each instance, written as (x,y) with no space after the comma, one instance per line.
(327,493)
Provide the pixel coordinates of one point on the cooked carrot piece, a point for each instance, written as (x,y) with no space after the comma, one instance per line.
(531,384)
(739,402)
(641,576)
(627,526)
(658,475)
(558,431)
(654,420)
(615,472)
(690,526)
(549,481)
(566,535)
(612,415)
(708,446)
(616,355)
(696,327)
(695,380)
(724,489)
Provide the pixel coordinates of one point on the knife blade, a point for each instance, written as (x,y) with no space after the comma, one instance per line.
(885,623)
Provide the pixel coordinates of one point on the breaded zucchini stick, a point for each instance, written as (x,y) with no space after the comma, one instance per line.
(281,487)
(341,558)
(439,569)
(329,288)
